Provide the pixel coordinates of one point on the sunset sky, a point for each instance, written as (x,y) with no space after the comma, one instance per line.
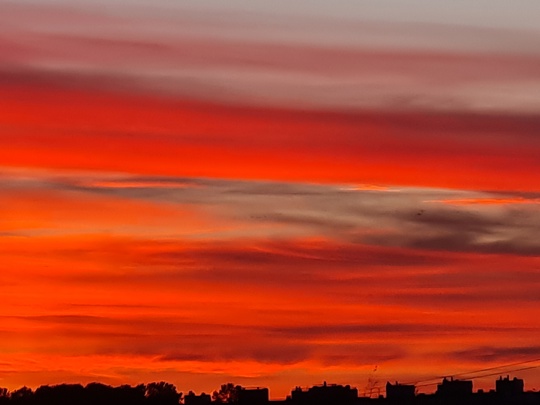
(270,193)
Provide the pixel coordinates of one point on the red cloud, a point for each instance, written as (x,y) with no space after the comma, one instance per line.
(50,126)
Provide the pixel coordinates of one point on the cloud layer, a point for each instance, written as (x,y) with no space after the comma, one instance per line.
(270,197)
(346,277)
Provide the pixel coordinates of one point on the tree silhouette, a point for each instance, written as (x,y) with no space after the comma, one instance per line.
(97,393)
(162,393)
(126,394)
(4,396)
(63,393)
(21,396)
(227,394)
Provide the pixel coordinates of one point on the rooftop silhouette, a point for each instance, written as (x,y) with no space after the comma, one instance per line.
(450,391)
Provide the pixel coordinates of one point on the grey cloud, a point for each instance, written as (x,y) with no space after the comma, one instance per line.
(448,300)
(462,220)
(467,242)
(270,264)
(489,354)
(243,349)
(405,217)
(397,329)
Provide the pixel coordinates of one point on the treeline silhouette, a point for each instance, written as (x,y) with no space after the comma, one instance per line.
(156,393)
(449,392)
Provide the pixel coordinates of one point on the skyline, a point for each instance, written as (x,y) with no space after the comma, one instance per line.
(449,387)
(202,192)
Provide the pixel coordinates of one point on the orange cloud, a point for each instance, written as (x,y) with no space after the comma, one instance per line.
(38,210)
(124,309)
(491,201)
(193,233)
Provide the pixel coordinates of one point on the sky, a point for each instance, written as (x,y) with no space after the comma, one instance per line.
(268,193)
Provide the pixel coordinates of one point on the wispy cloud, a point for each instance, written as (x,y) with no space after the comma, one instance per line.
(491,201)
(190,208)
(202,196)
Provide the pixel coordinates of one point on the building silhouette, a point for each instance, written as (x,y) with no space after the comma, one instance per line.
(509,388)
(192,399)
(449,392)
(325,394)
(253,396)
(450,388)
(400,392)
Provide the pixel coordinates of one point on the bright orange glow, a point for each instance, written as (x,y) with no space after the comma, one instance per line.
(183,204)
(492,201)
(59,128)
